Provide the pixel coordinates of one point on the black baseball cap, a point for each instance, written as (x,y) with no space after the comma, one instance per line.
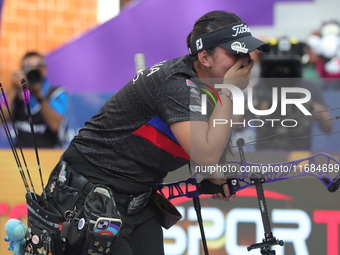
(235,38)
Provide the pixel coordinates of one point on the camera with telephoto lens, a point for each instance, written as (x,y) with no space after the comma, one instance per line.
(283,60)
(34,76)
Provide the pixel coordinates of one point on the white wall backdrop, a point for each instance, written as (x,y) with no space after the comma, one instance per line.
(298,19)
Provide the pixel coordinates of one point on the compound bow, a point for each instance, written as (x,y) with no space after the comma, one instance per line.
(243,174)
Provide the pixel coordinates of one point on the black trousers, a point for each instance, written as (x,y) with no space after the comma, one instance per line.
(141,233)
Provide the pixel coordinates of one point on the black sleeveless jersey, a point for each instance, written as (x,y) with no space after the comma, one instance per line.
(130,136)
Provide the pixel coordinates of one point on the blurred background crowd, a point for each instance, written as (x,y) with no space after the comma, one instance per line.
(88,47)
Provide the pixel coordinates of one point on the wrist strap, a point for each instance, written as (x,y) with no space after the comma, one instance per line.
(226,93)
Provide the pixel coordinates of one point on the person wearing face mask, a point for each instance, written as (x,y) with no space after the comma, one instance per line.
(155,125)
(48,103)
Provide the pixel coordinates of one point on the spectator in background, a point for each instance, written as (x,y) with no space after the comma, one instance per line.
(49,105)
(324,51)
(309,60)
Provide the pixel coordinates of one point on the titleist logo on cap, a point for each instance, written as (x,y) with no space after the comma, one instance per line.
(240,29)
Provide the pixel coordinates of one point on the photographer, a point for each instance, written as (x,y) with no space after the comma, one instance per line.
(48,104)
